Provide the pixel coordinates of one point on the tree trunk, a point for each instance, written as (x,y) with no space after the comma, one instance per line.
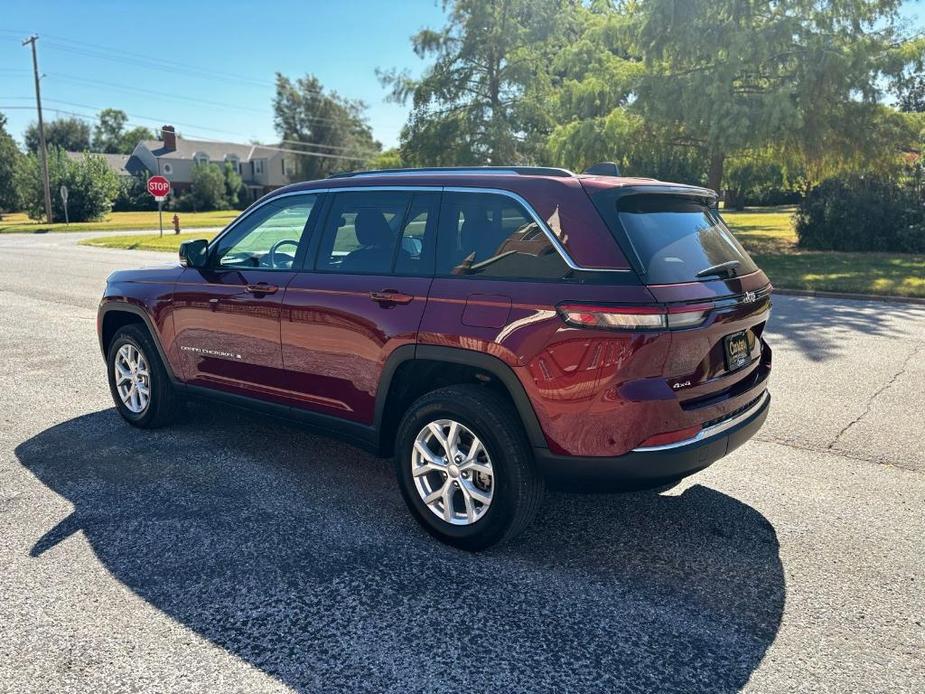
(715,177)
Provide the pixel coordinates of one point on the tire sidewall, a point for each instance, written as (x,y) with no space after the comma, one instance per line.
(126,337)
(499,516)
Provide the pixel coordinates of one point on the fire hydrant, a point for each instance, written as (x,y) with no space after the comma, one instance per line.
(176,224)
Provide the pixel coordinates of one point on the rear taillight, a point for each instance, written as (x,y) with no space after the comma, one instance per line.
(634,317)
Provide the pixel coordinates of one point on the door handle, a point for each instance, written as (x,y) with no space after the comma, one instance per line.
(261,288)
(390,296)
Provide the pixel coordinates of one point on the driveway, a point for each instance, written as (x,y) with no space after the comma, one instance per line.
(234,552)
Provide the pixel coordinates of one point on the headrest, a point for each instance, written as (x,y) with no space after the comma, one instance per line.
(372,229)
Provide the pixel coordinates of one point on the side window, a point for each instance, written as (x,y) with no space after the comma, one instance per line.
(269,237)
(492,236)
(361,232)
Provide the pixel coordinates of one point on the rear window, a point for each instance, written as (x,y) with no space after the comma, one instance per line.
(674,239)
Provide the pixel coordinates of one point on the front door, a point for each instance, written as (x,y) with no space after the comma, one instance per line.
(361,296)
(227,314)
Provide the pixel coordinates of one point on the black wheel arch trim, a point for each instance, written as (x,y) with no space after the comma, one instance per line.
(126,307)
(457,355)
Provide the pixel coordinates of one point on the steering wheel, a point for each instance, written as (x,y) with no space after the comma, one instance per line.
(271,254)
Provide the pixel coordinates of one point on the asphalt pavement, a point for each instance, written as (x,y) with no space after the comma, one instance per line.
(237,553)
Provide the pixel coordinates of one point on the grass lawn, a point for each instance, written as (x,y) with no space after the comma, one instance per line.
(18,222)
(767,234)
(146,242)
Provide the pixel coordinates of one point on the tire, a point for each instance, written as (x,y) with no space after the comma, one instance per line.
(516,488)
(163,403)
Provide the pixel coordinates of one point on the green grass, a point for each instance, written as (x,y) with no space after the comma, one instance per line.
(766,233)
(18,222)
(146,242)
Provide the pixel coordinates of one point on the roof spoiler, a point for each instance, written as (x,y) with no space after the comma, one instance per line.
(604,168)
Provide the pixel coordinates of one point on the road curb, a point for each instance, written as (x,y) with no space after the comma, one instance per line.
(918,301)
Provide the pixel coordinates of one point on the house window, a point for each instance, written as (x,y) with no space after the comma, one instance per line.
(258,167)
(168,169)
(233,160)
(201,158)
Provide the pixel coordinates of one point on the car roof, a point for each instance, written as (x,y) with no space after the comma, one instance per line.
(505,177)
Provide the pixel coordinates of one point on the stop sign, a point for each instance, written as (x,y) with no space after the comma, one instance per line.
(158,186)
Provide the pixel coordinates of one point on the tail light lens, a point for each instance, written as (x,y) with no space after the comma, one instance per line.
(634,317)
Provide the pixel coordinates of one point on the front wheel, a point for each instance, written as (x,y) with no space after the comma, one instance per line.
(138,381)
(465,468)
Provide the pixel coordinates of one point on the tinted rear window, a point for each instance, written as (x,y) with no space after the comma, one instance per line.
(673,238)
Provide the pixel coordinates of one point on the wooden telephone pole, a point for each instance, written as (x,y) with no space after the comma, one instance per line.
(38,104)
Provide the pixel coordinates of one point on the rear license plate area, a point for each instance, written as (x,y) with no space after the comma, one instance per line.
(735,349)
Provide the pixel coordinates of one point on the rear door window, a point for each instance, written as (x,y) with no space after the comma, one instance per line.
(487,235)
(675,239)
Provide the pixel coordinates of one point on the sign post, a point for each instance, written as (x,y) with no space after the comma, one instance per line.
(159,187)
(63,191)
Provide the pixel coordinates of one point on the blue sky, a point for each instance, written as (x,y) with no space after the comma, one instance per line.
(91,52)
(247,42)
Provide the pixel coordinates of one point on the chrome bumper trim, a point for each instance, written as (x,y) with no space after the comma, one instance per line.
(713,430)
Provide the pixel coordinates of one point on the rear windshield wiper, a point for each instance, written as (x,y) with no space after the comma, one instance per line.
(727,269)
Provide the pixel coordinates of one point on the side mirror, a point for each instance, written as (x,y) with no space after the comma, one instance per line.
(194,253)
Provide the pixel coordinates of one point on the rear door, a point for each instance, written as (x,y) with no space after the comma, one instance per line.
(227,314)
(361,296)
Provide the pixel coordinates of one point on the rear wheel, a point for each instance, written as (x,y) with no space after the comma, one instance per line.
(465,468)
(138,380)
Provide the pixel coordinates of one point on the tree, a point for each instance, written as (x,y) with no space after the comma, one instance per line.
(110,135)
(476,104)
(911,94)
(331,127)
(207,190)
(727,75)
(70,134)
(233,183)
(92,185)
(10,157)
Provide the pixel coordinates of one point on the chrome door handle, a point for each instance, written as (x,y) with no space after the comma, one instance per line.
(261,288)
(390,296)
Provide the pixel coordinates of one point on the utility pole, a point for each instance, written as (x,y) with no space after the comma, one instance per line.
(38,104)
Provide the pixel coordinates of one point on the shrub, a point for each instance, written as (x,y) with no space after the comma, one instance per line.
(206,192)
(858,213)
(92,186)
(133,194)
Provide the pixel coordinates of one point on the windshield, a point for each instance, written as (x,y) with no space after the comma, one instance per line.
(676,239)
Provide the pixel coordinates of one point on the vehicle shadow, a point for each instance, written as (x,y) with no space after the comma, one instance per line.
(295,553)
(820,328)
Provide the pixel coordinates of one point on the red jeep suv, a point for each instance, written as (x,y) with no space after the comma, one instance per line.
(492,328)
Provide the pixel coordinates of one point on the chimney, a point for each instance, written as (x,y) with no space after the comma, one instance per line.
(169,135)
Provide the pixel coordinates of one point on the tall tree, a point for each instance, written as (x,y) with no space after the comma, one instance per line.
(10,157)
(733,74)
(331,127)
(477,102)
(69,134)
(111,137)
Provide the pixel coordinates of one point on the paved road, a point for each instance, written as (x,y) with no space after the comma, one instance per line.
(235,553)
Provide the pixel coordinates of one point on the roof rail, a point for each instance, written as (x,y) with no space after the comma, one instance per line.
(473,170)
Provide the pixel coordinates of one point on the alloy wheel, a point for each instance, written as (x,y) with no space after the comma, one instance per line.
(133,378)
(452,472)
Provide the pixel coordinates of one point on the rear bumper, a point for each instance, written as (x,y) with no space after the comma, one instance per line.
(657,464)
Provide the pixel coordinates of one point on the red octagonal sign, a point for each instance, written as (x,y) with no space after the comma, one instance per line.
(158,186)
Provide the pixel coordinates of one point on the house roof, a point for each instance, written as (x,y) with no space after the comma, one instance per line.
(216,151)
(116,162)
